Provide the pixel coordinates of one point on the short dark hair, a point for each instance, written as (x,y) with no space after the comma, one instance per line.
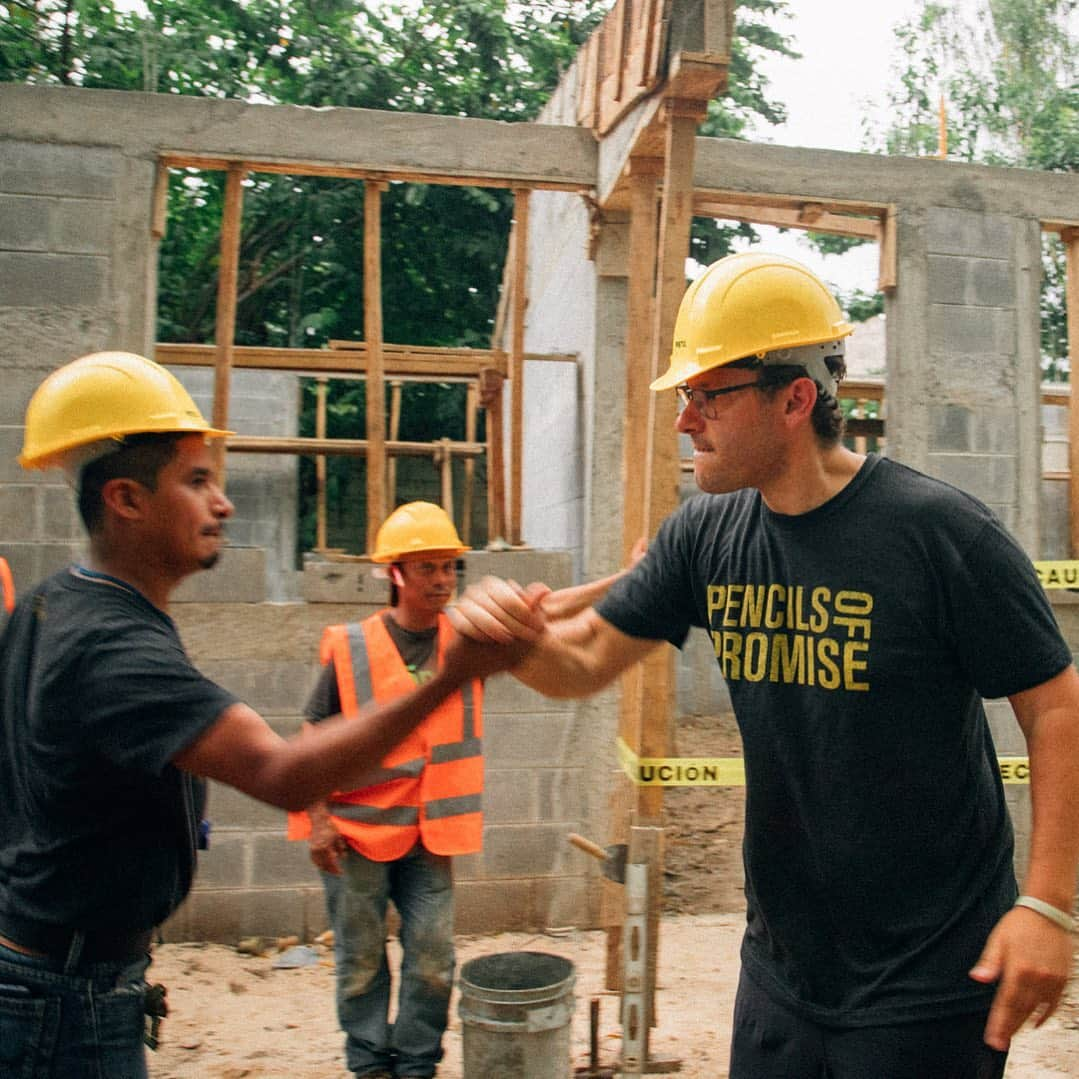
(828,419)
(140,458)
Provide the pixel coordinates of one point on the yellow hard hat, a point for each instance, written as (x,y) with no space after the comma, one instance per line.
(104,397)
(756,305)
(414,529)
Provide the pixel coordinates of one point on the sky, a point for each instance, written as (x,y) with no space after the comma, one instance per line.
(847,49)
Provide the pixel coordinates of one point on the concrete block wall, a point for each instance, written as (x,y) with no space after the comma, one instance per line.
(253,881)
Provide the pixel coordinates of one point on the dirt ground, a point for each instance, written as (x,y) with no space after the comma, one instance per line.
(235,1016)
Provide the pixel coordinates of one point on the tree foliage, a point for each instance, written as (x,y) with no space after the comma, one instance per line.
(1007,72)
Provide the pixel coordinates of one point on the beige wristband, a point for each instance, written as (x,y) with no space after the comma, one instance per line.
(1047,910)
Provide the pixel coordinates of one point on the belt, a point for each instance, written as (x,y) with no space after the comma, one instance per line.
(54,941)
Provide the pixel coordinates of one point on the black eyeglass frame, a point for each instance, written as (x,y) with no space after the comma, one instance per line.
(689,396)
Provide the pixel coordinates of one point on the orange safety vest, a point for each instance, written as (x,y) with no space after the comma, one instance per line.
(430,786)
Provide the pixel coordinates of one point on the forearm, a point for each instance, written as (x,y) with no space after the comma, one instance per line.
(1053,748)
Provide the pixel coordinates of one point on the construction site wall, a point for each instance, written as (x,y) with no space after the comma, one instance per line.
(77,273)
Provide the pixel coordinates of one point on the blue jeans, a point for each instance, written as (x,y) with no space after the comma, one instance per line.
(421,887)
(65,1020)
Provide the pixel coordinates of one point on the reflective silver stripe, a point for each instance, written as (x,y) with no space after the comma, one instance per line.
(468,727)
(375,815)
(453,807)
(405,770)
(361,664)
(456,751)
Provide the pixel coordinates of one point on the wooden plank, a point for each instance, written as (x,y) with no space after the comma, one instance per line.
(401,361)
(722,196)
(491,395)
(376,372)
(395,431)
(343,447)
(471,404)
(174,159)
(160,215)
(320,465)
(444,459)
(819,221)
(225,321)
(517,348)
(1070,238)
(888,274)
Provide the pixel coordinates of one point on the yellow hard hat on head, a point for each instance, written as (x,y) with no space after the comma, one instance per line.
(756,306)
(417,529)
(103,398)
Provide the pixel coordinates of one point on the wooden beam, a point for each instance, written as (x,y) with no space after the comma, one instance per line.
(409,363)
(471,404)
(376,372)
(888,274)
(160,215)
(811,217)
(320,465)
(344,447)
(724,196)
(175,159)
(1070,238)
(517,348)
(225,320)
(395,431)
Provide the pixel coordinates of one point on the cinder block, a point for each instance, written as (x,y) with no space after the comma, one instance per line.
(992,479)
(10,448)
(533,850)
(504,694)
(507,905)
(975,282)
(966,232)
(971,331)
(279,862)
(528,741)
(18,513)
(271,687)
(78,226)
(227,807)
(60,518)
(509,795)
(225,915)
(552,567)
(40,168)
(24,223)
(561,793)
(20,382)
(226,863)
(34,279)
(21,560)
(343,582)
(239,577)
(950,428)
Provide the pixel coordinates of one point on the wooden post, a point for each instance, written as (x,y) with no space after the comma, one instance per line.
(640,318)
(395,431)
(662,471)
(491,383)
(372,332)
(225,322)
(160,216)
(444,457)
(471,398)
(1071,301)
(321,385)
(517,350)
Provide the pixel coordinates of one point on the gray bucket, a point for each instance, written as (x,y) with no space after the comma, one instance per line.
(515,1013)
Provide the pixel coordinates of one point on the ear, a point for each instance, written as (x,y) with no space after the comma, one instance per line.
(800,400)
(396,576)
(124,498)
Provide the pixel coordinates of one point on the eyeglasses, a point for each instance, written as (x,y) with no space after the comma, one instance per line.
(702,400)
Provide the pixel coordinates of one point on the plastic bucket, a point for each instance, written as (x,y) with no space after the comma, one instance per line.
(515,1013)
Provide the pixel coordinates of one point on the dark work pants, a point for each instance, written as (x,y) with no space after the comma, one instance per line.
(772,1042)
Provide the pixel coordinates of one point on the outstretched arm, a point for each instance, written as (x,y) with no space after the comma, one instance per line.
(242,750)
(1028,954)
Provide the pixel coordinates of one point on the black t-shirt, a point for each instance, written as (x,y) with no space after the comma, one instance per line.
(97,827)
(858,641)
(417,648)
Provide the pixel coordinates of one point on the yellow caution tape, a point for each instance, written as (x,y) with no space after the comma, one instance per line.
(731,772)
(1063,573)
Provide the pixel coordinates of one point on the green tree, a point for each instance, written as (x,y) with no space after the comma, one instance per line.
(1008,74)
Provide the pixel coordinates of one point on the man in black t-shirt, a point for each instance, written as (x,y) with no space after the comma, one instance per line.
(105,723)
(859,612)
